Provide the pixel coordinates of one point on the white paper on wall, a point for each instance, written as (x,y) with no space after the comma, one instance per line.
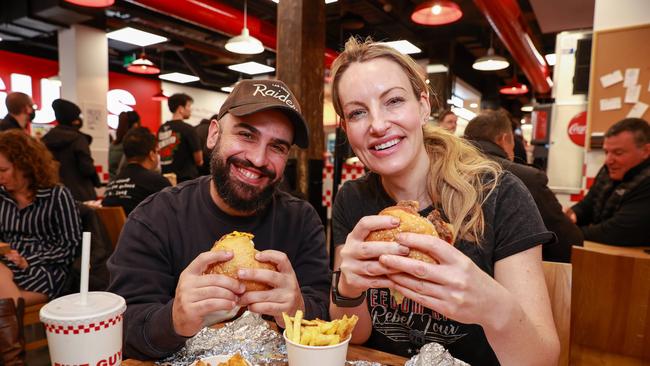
(610,79)
(637,110)
(632,94)
(631,77)
(610,104)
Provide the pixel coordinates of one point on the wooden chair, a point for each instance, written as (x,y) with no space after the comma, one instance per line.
(610,310)
(558,282)
(31,319)
(113,219)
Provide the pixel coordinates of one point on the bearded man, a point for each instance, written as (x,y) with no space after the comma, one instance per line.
(164,248)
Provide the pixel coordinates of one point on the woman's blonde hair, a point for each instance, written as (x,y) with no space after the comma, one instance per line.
(460,178)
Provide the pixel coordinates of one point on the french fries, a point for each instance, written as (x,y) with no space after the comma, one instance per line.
(318,332)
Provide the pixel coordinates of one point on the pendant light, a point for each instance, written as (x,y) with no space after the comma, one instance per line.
(160,96)
(143,65)
(514,87)
(436,12)
(490,62)
(245,43)
(92,3)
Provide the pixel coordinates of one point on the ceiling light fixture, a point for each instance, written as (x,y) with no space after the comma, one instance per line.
(143,65)
(403,46)
(135,36)
(550,59)
(251,68)
(179,77)
(92,3)
(490,62)
(436,68)
(244,43)
(437,12)
(514,88)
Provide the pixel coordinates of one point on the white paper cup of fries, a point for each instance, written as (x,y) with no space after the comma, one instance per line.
(301,355)
(317,342)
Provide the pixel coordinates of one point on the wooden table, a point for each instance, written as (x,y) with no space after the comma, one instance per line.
(634,252)
(354,353)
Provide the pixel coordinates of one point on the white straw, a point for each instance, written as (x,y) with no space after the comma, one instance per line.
(85,267)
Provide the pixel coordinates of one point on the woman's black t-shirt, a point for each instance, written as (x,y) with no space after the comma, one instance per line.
(512,224)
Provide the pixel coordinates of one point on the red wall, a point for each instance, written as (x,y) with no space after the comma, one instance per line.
(141,88)
(37,68)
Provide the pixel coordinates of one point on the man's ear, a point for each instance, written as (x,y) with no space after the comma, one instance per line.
(213,134)
(646,150)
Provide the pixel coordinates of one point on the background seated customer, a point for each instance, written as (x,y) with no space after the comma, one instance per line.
(486,300)
(126,121)
(164,247)
(40,224)
(616,209)
(448,121)
(139,178)
(492,134)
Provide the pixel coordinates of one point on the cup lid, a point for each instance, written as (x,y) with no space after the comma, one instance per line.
(69,307)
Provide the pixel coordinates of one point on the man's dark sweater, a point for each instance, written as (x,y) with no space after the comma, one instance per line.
(536,181)
(171,228)
(617,212)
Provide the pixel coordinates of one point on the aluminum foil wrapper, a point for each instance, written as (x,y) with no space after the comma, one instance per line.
(434,354)
(249,335)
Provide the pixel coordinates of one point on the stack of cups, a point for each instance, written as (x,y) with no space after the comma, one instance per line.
(84,328)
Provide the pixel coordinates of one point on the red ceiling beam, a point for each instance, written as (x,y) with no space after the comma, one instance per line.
(507,21)
(221,17)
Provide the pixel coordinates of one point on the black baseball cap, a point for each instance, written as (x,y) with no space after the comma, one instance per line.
(252,96)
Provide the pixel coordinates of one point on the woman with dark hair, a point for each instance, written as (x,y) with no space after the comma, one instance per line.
(126,121)
(40,223)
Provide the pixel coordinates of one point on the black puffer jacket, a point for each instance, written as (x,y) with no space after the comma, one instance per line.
(536,181)
(72,149)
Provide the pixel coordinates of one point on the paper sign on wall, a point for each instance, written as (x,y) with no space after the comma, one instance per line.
(609,104)
(631,77)
(608,80)
(632,94)
(637,110)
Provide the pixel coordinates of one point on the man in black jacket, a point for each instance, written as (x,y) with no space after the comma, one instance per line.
(72,149)
(616,209)
(491,132)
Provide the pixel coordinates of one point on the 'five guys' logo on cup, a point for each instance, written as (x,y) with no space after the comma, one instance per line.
(276,91)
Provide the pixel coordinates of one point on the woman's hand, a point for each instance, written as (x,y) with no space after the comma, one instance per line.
(17,259)
(455,287)
(360,268)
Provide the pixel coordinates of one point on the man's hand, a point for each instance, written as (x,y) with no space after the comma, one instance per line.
(198,295)
(568,212)
(284,295)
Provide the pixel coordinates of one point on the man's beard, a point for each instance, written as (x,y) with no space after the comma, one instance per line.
(239,195)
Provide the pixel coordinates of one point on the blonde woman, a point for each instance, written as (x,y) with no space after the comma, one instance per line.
(486,300)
